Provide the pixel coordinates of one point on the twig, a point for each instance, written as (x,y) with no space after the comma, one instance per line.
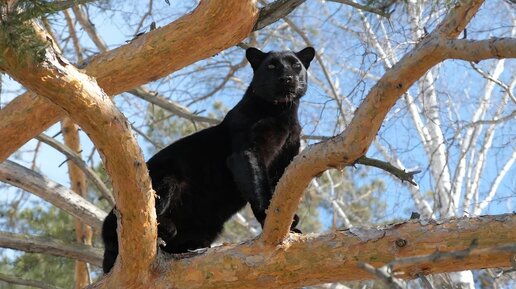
(388,167)
(425,281)
(363,7)
(496,81)
(142,134)
(382,274)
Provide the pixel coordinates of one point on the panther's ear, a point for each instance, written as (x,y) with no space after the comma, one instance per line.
(306,56)
(255,57)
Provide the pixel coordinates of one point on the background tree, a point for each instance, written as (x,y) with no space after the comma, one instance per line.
(456,123)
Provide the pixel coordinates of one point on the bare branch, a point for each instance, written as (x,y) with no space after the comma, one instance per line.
(275,11)
(63,5)
(25,282)
(489,77)
(382,274)
(33,244)
(363,7)
(171,106)
(52,192)
(71,155)
(388,167)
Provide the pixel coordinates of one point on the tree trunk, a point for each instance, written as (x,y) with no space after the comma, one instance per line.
(83,232)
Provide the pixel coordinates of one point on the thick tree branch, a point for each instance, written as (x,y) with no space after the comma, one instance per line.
(33,244)
(354,142)
(218,24)
(338,254)
(477,50)
(71,155)
(97,115)
(58,195)
(25,282)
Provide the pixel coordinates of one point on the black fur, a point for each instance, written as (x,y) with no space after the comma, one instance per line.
(205,178)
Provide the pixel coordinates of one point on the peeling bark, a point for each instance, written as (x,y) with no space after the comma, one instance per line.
(304,260)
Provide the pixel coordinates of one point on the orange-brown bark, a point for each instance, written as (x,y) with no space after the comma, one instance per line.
(216,24)
(88,106)
(304,260)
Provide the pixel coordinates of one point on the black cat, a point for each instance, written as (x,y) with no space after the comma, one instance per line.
(205,178)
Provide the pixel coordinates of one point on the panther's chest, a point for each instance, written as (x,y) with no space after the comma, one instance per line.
(271,135)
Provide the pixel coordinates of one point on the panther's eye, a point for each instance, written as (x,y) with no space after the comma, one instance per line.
(296,65)
(271,66)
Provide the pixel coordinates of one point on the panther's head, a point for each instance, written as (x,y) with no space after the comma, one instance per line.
(279,77)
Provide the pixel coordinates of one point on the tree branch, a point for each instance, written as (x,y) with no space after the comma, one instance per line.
(58,195)
(218,24)
(25,282)
(171,106)
(71,155)
(353,143)
(477,50)
(93,110)
(33,244)
(273,12)
(337,255)
(388,167)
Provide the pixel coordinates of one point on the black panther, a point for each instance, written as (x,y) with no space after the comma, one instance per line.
(205,178)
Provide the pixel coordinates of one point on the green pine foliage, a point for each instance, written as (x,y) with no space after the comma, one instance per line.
(17,33)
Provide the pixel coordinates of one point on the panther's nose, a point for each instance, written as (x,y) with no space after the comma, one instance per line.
(287,79)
